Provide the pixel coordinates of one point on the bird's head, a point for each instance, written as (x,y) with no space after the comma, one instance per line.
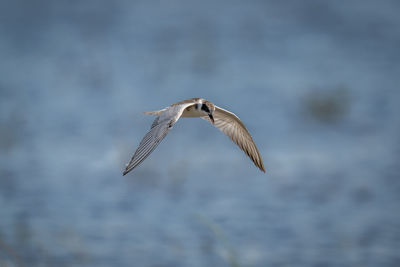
(208,108)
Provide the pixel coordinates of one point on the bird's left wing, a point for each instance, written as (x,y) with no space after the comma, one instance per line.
(159,129)
(233,127)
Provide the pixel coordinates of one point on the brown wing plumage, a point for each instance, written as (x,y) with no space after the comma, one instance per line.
(233,127)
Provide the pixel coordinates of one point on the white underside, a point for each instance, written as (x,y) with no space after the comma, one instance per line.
(192,112)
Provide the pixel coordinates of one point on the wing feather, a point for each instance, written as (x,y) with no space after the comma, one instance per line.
(150,141)
(159,129)
(234,128)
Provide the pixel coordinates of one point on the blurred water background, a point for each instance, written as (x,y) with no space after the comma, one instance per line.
(316,83)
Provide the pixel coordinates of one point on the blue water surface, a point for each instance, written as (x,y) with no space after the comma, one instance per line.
(315,82)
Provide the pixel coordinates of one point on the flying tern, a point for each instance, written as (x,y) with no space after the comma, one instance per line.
(224,120)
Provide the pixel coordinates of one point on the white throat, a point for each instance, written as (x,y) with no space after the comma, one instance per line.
(194,111)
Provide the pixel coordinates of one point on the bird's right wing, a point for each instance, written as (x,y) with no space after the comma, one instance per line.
(159,129)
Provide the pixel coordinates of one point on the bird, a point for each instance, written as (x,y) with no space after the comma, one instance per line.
(222,119)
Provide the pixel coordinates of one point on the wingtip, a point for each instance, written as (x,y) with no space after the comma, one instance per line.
(262,168)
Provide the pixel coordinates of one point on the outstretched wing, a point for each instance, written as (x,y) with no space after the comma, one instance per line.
(149,142)
(159,129)
(233,127)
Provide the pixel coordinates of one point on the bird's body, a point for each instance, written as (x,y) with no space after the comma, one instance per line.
(224,120)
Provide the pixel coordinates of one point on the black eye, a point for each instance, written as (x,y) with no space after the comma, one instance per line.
(205,108)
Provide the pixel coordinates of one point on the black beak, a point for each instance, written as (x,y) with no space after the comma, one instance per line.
(211,117)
